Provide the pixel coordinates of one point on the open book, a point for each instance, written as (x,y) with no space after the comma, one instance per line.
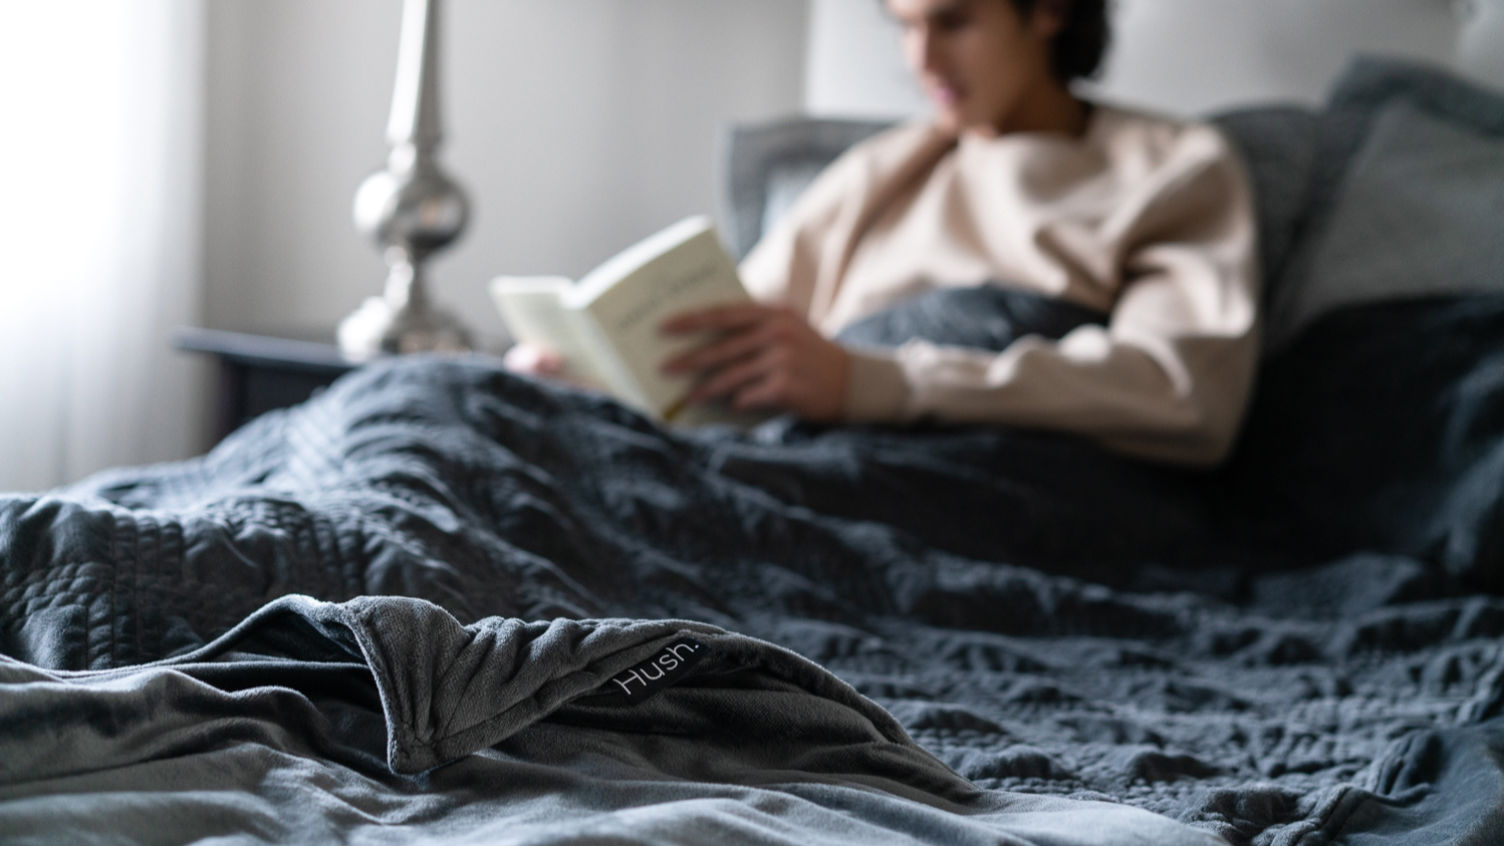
(605,326)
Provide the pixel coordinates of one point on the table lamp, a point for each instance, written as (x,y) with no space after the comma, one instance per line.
(410,209)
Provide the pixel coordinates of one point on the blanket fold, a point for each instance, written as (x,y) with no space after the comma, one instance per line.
(306,694)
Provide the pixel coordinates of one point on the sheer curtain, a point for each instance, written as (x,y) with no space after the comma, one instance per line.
(100,104)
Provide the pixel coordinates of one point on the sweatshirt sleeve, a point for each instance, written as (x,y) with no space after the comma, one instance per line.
(1168,376)
(800,259)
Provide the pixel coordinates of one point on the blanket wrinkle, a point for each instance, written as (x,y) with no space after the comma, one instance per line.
(494,700)
(448,690)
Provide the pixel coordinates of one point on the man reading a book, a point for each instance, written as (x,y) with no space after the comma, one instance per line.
(1136,230)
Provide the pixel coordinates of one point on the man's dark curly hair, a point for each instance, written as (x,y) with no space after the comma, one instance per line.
(1078,49)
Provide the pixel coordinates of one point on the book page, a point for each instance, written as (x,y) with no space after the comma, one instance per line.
(690,273)
(535,313)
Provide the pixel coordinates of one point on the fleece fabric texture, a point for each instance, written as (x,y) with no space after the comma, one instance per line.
(384,720)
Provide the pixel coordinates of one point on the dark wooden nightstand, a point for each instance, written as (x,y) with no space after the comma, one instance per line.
(258,373)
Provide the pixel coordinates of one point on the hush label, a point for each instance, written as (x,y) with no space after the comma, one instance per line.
(668,665)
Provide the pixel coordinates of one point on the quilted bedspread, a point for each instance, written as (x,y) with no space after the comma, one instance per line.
(441,601)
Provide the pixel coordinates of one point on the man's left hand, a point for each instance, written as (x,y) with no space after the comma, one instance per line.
(762,357)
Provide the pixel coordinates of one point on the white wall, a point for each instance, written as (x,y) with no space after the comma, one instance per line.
(1185,56)
(1199,55)
(576,126)
(100,228)
(853,64)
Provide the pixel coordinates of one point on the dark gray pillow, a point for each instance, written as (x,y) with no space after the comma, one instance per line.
(1406,195)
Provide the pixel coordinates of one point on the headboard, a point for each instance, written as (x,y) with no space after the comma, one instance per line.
(1186,56)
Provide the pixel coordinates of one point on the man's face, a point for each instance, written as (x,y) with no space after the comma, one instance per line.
(978,60)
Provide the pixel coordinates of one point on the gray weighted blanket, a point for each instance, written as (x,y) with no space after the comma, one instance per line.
(938,635)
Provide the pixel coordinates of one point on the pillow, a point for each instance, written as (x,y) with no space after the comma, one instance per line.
(1420,213)
(1406,196)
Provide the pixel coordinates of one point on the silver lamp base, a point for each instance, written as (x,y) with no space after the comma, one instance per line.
(401,320)
(375,329)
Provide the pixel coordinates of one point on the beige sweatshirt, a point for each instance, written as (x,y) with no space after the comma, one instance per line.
(1146,219)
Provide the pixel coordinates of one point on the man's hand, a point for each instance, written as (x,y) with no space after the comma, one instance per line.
(544,363)
(762,357)
(533,360)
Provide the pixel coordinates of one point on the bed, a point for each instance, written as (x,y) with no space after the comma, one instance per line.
(439,602)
